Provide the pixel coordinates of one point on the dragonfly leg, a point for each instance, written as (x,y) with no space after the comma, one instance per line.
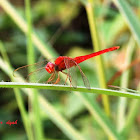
(70,79)
(58,79)
(51,78)
(67,78)
(64,72)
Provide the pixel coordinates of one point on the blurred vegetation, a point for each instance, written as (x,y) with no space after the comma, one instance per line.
(63,25)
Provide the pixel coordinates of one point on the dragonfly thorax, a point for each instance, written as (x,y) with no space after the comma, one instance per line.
(50,67)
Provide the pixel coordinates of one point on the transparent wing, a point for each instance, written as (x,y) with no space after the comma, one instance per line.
(38,70)
(72,72)
(85,80)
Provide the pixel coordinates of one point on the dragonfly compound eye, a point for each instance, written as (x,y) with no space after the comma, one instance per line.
(50,67)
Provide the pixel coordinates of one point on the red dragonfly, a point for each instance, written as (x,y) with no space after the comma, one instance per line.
(62,63)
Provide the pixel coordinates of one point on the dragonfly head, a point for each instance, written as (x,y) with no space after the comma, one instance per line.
(50,67)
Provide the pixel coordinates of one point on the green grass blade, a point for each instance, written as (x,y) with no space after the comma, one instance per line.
(99,59)
(122,103)
(99,116)
(130,17)
(24,115)
(19,99)
(33,99)
(131,116)
(68,88)
(60,121)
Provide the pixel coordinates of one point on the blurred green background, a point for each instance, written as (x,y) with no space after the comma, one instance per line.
(63,25)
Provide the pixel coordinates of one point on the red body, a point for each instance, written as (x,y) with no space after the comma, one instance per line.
(61,65)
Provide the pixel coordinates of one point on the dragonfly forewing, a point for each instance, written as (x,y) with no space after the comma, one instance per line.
(73,74)
(37,71)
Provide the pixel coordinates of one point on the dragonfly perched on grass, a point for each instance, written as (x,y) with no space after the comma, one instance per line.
(62,63)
